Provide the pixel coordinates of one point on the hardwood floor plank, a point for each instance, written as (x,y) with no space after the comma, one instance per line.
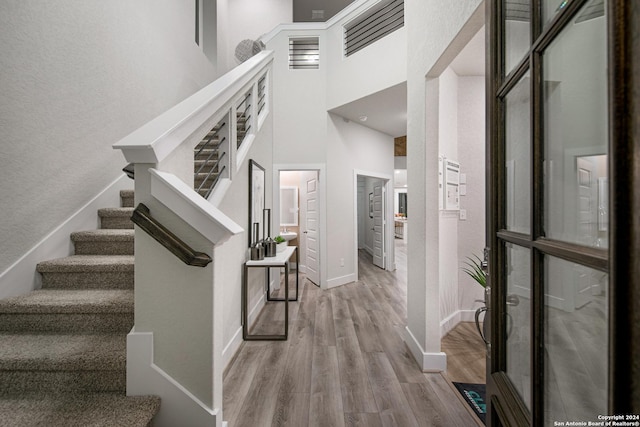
(392,404)
(362,420)
(457,413)
(292,410)
(354,380)
(429,409)
(238,379)
(297,372)
(466,355)
(345,363)
(403,362)
(326,399)
(366,331)
(259,404)
(324,334)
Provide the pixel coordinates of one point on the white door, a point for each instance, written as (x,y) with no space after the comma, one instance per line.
(311,231)
(586,223)
(378,224)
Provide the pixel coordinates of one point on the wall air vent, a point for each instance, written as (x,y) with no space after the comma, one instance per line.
(304,53)
(373,26)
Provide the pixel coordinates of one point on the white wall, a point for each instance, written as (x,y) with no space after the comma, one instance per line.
(471,155)
(431,27)
(76,77)
(370,70)
(350,147)
(250,19)
(448,232)
(299,109)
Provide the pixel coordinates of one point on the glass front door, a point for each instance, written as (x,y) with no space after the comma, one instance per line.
(549,207)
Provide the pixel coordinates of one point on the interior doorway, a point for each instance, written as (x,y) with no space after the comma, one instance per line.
(298,203)
(374,220)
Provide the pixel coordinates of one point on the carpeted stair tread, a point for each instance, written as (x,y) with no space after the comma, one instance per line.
(113,235)
(70,301)
(32,352)
(78,410)
(87,263)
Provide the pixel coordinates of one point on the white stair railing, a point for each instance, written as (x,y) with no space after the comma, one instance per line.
(175,348)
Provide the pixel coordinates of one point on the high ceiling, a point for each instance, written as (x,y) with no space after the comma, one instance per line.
(386,111)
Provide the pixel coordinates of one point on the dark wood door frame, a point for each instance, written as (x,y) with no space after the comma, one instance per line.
(622,259)
(624,140)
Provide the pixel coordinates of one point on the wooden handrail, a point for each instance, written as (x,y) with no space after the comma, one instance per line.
(143,219)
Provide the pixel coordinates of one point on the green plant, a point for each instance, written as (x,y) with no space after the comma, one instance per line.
(279,239)
(474,270)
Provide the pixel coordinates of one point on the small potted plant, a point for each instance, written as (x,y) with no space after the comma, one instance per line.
(473,267)
(281,244)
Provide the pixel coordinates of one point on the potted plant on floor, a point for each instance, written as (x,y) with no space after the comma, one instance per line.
(473,267)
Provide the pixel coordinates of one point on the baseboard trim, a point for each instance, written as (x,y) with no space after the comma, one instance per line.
(21,277)
(339,281)
(450,322)
(179,406)
(231,348)
(428,362)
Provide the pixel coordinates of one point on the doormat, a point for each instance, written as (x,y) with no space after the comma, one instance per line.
(474,395)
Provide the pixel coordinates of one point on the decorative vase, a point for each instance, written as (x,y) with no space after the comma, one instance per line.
(257,250)
(268,243)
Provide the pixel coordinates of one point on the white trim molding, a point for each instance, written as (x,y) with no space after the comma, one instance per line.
(144,377)
(342,280)
(428,362)
(161,136)
(182,200)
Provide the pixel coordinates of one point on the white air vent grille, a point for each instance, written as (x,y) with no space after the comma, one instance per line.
(373,26)
(304,53)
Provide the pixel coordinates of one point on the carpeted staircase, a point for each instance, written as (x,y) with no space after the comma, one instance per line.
(63,347)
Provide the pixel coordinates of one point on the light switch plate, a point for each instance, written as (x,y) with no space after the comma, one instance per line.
(463,214)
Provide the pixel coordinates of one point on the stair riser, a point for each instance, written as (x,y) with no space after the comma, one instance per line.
(99,323)
(127,201)
(104,248)
(69,381)
(110,223)
(94,280)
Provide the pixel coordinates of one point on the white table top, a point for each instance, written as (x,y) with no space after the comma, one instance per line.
(275,261)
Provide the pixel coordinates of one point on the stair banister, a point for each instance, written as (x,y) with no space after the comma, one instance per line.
(175,349)
(143,219)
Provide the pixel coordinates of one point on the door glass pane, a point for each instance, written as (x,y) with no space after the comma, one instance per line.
(518,157)
(575,132)
(575,322)
(518,322)
(517,32)
(550,8)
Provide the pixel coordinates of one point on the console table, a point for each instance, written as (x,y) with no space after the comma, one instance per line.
(280,260)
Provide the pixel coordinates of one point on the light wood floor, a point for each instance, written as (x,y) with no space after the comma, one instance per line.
(344,364)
